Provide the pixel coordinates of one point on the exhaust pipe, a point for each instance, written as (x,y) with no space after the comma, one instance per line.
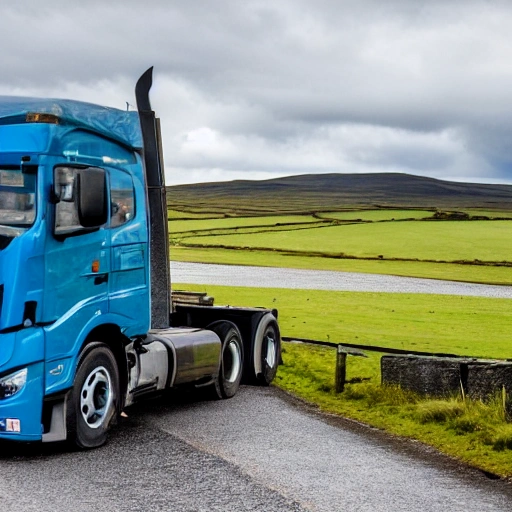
(160,295)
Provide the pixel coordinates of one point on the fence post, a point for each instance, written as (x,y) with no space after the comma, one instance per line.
(341,369)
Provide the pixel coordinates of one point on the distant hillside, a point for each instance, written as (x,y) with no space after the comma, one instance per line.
(338,191)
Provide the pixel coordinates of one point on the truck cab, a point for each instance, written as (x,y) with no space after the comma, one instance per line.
(85,322)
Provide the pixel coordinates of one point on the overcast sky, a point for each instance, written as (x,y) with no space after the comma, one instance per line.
(256,89)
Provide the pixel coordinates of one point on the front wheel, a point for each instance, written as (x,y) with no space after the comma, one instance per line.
(93,405)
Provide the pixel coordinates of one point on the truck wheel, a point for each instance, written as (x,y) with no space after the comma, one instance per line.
(93,405)
(232,359)
(266,350)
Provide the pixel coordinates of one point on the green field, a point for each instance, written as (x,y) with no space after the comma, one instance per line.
(385,240)
(182,226)
(439,323)
(180,214)
(378,215)
(427,241)
(492,214)
(472,431)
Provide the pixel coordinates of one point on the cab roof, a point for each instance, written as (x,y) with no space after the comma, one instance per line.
(119,125)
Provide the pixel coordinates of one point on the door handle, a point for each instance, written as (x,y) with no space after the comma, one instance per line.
(101,278)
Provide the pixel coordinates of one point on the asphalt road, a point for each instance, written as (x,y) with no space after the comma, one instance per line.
(260,451)
(269,277)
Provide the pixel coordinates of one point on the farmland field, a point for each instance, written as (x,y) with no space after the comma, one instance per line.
(399,242)
(447,241)
(472,326)
(182,226)
(490,213)
(376,215)
(179,214)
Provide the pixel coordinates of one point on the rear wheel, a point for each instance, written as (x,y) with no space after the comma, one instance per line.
(93,405)
(232,357)
(266,350)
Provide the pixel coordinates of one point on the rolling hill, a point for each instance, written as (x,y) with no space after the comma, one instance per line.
(324,192)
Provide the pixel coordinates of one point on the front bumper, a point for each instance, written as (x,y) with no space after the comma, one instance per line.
(20,415)
(22,412)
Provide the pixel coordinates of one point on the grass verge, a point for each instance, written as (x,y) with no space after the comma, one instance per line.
(474,432)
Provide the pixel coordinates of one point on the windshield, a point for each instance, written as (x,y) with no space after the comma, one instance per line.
(17,197)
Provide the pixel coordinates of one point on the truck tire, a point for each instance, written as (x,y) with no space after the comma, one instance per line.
(231,362)
(266,354)
(94,401)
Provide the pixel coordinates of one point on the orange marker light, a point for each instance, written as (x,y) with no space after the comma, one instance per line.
(95,266)
(34,117)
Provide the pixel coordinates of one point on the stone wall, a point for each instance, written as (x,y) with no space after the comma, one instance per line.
(439,376)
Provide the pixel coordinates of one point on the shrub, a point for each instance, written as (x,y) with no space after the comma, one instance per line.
(375,394)
(439,411)
(502,439)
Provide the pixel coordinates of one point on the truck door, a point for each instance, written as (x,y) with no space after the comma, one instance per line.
(128,289)
(76,280)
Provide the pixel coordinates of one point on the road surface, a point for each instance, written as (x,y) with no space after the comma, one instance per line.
(260,451)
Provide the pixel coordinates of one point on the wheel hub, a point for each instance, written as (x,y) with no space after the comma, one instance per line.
(232,361)
(271,352)
(96,397)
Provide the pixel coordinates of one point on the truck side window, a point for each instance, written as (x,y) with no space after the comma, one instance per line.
(122,198)
(66,211)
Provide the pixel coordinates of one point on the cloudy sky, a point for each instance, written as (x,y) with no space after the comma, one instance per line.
(257,89)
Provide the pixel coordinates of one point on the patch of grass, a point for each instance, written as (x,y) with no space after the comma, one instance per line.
(439,411)
(492,214)
(438,323)
(502,438)
(183,214)
(378,215)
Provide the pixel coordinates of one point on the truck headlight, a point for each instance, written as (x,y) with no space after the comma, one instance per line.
(13,383)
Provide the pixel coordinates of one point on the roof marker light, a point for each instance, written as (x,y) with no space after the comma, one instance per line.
(35,117)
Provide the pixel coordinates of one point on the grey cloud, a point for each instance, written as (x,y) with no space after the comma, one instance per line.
(286,86)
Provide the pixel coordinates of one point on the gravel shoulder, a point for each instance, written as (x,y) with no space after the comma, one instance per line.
(269,277)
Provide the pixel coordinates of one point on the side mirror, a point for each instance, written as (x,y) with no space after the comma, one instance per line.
(92,191)
(80,199)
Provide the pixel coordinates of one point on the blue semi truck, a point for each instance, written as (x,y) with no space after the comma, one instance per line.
(86,323)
